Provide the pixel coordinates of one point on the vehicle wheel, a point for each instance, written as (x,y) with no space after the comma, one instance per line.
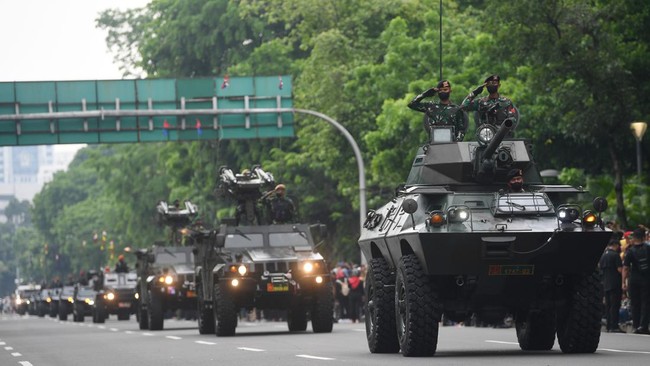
(381,329)
(322,310)
(75,313)
(536,330)
(205,314)
(63,310)
(143,317)
(579,322)
(123,315)
(297,319)
(155,311)
(415,309)
(225,313)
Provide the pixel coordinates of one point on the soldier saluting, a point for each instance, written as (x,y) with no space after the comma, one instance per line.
(281,207)
(493,109)
(441,113)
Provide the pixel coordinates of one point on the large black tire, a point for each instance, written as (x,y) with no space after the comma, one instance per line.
(63,310)
(297,319)
(225,313)
(143,316)
(415,309)
(155,311)
(579,322)
(322,320)
(205,314)
(536,330)
(381,329)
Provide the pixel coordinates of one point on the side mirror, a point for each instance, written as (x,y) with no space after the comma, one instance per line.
(409,205)
(600,204)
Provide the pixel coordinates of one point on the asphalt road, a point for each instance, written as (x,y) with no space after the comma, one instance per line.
(29,340)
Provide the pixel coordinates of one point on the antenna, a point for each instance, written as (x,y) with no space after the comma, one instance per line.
(440,43)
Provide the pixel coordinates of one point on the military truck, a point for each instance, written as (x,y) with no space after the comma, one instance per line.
(83,301)
(65,301)
(454,242)
(115,296)
(165,273)
(260,266)
(24,294)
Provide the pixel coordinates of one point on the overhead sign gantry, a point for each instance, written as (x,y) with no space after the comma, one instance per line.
(145,110)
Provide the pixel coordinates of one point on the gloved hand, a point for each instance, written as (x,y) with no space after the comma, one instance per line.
(478,90)
(430,92)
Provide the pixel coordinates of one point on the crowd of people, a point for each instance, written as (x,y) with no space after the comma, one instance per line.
(625,269)
(349,282)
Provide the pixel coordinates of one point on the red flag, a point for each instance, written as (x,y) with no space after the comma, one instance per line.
(166,127)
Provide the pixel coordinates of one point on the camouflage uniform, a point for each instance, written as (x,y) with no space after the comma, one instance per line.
(440,114)
(490,110)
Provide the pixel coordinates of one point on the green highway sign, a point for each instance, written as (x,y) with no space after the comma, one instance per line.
(145,110)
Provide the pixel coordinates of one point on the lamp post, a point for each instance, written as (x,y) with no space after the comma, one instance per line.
(638,130)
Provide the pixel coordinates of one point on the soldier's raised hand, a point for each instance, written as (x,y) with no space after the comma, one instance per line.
(478,90)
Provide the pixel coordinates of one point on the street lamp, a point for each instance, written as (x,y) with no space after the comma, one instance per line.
(638,130)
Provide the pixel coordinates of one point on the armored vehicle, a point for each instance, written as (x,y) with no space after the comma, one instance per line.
(454,242)
(65,302)
(83,301)
(165,274)
(260,266)
(24,294)
(115,296)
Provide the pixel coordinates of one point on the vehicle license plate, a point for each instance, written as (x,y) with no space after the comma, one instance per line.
(277,287)
(124,305)
(511,270)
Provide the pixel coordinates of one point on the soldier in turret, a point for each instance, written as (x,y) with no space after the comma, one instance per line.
(441,113)
(515,181)
(281,207)
(493,109)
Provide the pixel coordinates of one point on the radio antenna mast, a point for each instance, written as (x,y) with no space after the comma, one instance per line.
(440,44)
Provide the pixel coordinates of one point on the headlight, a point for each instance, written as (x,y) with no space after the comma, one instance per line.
(137,295)
(589,219)
(485,134)
(169,280)
(319,279)
(70,300)
(234,282)
(568,214)
(49,299)
(242,270)
(308,267)
(455,214)
(19,301)
(89,301)
(436,218)
(110,296)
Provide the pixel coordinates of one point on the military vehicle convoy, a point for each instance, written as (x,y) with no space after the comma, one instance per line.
(259,265)
(115,296)
(454,242)
(166,273)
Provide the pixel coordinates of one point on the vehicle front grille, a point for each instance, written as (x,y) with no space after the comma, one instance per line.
(275,267)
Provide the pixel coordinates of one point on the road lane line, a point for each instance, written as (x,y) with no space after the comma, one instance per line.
(3,343)
(502,342)
(316,357)
(623,351)
(25,363)
(114,329)
(128,332)
(101,327)
(251,349)
(173,337)
(147,334)
(204,342)
(9,348)
(16,354)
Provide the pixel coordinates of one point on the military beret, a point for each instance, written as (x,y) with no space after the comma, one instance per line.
(493,78)
(514,173)
(444,83)
(638,233)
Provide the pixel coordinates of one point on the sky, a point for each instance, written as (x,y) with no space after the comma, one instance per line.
(56,40)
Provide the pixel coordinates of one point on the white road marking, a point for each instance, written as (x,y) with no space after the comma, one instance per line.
(204,342)
(173,337)
(251,349)
(316,357)
(25,363)
(16,354)
(128,332)
(114,329)
(147,334)
(9,348)
(101,327)
(502,342)
(623,351)
(2,343)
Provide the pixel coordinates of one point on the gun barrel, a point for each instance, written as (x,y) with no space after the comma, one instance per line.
(505,127)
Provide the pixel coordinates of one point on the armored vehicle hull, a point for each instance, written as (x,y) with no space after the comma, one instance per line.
(116,297)
(266,267)
(454,244)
